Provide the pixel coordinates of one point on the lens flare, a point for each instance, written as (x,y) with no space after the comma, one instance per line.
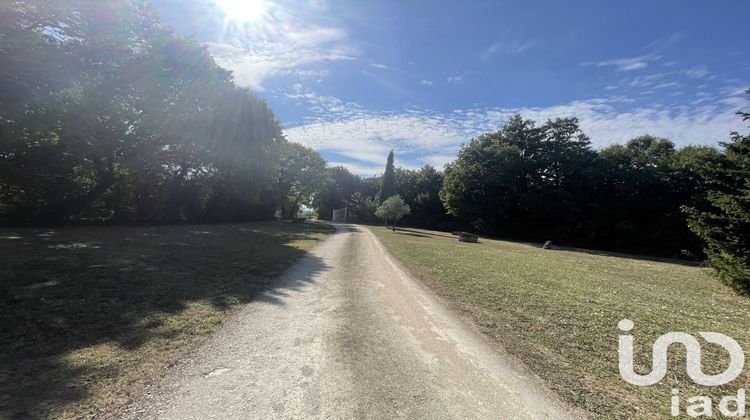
(243,10)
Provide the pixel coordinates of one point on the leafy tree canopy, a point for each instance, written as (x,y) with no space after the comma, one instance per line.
(392,209)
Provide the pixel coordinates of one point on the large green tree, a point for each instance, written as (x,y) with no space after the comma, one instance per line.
(59,59)
(392,210)
(546,182)
(725,224)
(523,180)
(345,189)
(301,176)
(420,189)
(105,114)
(484,185)
(340,185)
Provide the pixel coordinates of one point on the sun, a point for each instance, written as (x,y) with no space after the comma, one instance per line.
(243,10)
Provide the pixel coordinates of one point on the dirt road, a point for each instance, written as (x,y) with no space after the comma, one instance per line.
(347,334)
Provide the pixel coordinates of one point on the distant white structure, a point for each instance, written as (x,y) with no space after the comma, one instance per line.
(306,212)
(339,215)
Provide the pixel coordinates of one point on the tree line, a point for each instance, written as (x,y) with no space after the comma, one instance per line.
(534,182)
(107,116)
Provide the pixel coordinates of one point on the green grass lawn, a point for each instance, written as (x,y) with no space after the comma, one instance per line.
(92,314)
(557,311)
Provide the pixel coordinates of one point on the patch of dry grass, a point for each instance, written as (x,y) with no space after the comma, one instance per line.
(557,310)
(92,314)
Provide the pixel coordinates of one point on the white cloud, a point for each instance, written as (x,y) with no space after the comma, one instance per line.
(311,73)
(628,63)
(324,104)
(359,169)
(642,61)
(456,80)
(648,80)
(665,42)
(257,56)
(506,46)
(368,137)
(439,161)
(422,137)
(697,72)
(425,82)
(666,85)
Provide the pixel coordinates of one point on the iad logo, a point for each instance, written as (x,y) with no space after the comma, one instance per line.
(693,349)
(699,405)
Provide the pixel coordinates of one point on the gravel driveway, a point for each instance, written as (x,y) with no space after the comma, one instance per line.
(347,334)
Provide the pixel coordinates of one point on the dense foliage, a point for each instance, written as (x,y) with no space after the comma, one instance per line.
(420,190)
(345,189)
(301,176)
(725,224)
(106,115)
(545,182)
(392,210)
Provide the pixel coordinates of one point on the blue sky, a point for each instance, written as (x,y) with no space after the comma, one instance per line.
(354,79)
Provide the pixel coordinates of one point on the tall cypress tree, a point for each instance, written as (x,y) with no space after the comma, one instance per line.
(388,188)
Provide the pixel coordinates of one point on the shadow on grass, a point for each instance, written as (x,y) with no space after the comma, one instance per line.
(615,254)
(601,253)
(421,234)
(416,235)
(70,289)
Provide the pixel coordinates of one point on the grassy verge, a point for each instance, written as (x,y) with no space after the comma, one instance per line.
(91,314)
(558,310)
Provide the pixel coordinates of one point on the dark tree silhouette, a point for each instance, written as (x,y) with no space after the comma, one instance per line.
(107,116)
(725,224)
(388,186)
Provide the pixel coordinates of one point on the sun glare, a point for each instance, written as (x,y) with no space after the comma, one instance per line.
(243,10)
